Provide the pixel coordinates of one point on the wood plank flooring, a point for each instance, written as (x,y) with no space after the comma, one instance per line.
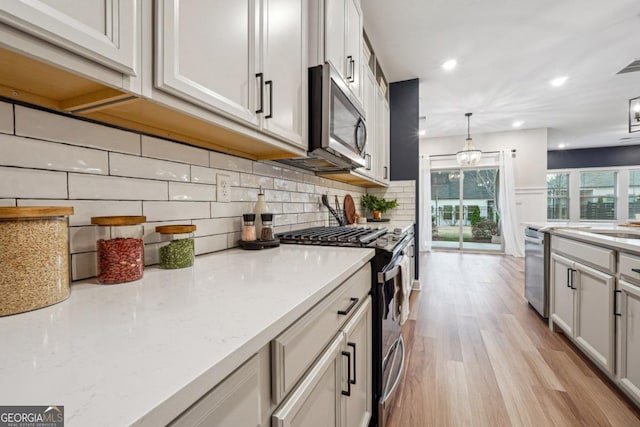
(478,355)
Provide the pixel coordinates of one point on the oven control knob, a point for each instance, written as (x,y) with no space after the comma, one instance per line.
(382,242)
(397,231)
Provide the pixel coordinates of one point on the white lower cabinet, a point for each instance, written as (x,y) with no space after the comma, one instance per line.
(356,403)
(336,391)
(629,339)
(242,399)
(562,296)
(316,401)
(316,373)
(582,306)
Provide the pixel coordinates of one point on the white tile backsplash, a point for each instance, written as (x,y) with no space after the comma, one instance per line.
(142,167)
(6,117)
(54,127)
(83,265)
(168,211)
(404,192)
(83,210)
(168,150)
(208,244)
(109,171)
(33,153)
(208,227)
(267,170)
(232,163)
(180,191)
(83,186)
(255,181)
(18,182)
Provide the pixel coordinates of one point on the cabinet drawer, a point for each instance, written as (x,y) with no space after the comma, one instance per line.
(296,349)
(626,264)
(236,401)
(595,256)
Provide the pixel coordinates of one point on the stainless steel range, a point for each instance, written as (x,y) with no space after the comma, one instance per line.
(387,343)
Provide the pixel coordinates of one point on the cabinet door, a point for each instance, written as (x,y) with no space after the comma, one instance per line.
(562,293)
(594,328)
(369,98)
(105,31)
(382,135)
(316,400)
(206,53)
(629,335)
(356,407)
(335,34)
(285,69)
(354,47)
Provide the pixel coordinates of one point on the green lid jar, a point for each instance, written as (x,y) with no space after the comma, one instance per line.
(176,246)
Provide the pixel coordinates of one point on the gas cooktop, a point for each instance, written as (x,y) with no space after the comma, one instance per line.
(361,237)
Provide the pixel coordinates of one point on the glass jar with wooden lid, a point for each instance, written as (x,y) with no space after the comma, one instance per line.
(120,248)
(34,257)
(176,246)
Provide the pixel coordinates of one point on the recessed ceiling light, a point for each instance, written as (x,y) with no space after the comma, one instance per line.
(517,123)
(562,145)
(450,64)
(422,132)
(559,81)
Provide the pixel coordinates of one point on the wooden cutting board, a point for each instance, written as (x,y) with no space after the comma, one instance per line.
(349,209)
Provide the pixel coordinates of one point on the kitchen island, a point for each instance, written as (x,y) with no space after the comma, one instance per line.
(141,353)
(594,276)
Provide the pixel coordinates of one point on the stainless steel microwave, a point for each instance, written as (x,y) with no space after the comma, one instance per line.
(337,128)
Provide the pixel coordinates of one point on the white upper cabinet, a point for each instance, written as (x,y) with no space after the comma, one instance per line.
(370,149)
(105,31)
(343,41)
(382,137)
(244,59)
(284,49)
(206,52)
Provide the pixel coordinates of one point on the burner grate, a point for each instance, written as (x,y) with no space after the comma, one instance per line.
(338,236)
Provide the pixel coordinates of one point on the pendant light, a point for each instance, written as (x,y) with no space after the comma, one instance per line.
(469,156)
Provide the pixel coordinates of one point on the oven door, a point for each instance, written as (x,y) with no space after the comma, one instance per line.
(393,350)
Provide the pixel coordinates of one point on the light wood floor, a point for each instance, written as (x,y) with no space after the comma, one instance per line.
(478,355)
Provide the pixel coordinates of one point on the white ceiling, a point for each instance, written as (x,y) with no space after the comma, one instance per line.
(507,52)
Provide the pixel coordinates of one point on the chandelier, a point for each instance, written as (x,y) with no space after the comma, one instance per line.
(634,115)
(469,156)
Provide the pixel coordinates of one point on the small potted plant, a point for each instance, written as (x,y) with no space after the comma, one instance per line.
(377,206)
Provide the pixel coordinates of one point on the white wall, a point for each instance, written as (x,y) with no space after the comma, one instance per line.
(530,164)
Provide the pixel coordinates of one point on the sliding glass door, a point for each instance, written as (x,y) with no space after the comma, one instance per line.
(464,211)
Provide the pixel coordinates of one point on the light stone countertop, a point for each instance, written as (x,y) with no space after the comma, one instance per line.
(140,353)
(592,235)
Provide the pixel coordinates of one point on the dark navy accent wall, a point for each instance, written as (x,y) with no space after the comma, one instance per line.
(404,146)
(594,157)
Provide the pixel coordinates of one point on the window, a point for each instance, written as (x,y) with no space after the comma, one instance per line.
(558,196)
(634,193)
(598,195)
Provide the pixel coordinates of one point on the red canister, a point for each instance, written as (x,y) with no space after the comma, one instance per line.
(120,248)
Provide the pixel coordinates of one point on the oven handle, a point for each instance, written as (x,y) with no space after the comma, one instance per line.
(385,276)
(388,393)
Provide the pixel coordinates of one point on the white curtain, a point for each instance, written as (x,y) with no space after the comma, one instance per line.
(425,204)
(513,245)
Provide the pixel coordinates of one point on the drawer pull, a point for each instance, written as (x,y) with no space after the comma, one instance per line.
(348,392)
(636,270)
(354,301)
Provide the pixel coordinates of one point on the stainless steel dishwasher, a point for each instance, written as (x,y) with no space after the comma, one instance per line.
(536,269)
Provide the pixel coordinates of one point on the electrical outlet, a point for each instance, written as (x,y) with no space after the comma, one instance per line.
(223,188)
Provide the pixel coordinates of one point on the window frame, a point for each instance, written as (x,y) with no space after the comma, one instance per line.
(621,191)
(567,197)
